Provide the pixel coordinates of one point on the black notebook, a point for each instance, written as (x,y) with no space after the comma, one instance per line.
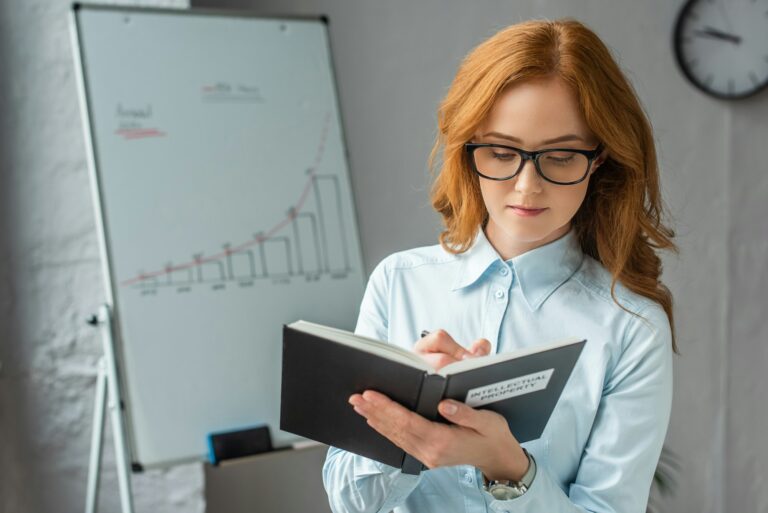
(323,366)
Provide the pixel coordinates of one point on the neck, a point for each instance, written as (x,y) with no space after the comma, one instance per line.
(508,247)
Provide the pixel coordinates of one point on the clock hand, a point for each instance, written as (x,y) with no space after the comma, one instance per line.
(718,34)
(724,35)
(725,15)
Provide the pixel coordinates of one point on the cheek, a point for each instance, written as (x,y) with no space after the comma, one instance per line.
(493,195)
(567,199)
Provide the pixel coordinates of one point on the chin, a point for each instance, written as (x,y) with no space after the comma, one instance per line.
(526,233)
(529,230)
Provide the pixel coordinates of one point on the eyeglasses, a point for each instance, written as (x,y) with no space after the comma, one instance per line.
(562,166)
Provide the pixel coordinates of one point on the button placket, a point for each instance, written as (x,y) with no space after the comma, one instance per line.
(498,297)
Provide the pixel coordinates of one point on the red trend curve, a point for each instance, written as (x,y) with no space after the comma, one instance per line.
(292,214)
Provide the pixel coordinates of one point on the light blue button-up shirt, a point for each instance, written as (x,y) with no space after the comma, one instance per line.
(601,445)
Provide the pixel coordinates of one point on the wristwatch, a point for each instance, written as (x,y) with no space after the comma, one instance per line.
(503,489)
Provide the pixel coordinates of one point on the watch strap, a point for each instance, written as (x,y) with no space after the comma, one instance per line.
(507,489)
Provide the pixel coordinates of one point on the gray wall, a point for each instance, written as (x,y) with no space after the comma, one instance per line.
(50,281)
(745,347)
(394,61)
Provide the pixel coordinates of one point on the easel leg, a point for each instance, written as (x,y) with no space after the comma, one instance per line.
(107,388)
(92,496)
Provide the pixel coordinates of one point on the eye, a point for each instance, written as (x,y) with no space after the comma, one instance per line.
(559,157)
(504,155)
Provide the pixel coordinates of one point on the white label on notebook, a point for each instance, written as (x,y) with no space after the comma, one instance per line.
(510,388)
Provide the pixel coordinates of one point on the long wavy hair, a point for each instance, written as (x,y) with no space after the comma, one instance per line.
(619,223)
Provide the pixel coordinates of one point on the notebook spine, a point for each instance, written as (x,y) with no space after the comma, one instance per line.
(432,390)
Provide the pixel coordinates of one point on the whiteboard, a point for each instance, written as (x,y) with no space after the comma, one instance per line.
(223,199)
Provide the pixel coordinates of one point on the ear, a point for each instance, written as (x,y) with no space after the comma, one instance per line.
(600,159)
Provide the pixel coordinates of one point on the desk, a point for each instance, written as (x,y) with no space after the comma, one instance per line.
(284,481)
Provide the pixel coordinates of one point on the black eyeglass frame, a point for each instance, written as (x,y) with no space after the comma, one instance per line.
(531,155)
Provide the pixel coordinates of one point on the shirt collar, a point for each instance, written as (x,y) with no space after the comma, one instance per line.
(540,271)
(474,262)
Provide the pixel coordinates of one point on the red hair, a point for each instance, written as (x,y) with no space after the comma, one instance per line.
(619,223)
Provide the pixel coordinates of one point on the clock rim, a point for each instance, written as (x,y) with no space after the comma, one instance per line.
(681,64)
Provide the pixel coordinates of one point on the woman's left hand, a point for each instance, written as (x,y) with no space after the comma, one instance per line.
(477,437)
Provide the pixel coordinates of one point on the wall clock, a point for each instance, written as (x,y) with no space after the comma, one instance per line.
(722,46)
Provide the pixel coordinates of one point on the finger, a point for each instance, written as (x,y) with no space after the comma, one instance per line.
(480,347)
(466,416)
(440,342)
(404,428)
(379,407)
(384,410)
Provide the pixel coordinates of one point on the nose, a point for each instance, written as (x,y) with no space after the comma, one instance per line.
(528,181)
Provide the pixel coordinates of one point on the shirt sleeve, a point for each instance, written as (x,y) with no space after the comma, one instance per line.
(355,483)
(623,449)
(358,484)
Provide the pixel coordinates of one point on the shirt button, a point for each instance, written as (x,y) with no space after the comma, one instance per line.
(504,271)
(499,293)
(468,477)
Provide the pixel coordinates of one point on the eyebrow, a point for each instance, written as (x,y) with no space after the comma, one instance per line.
(568,137)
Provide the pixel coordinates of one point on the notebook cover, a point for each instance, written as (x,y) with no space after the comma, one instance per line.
(319,375)
(526,400)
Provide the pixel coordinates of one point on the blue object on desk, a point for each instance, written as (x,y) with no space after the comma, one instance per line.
(237,443)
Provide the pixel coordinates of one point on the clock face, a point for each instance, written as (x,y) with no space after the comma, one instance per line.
(722,46)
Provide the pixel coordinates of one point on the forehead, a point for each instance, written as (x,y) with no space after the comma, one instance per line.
(535,111)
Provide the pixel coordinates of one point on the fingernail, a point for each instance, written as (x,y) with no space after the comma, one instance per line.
(466,355)
(449,408)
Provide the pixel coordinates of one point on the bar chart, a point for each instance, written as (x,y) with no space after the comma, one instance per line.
(309,242)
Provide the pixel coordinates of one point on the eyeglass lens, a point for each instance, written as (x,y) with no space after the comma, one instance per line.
(558,166)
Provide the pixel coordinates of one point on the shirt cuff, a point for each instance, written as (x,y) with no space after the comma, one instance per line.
(400,485)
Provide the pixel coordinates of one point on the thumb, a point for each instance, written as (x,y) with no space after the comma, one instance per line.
(461,414)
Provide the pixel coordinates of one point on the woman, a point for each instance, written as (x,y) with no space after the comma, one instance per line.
(549,192)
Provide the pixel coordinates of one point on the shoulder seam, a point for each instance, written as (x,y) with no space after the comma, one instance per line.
(411,263)
(606,295)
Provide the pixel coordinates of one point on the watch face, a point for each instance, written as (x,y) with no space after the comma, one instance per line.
(504,492)
(722,46)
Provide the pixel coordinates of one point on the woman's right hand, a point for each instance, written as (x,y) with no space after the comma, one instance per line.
(439,349)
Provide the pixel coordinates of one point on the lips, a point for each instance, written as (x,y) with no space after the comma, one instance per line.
(531,209)
(526,212)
